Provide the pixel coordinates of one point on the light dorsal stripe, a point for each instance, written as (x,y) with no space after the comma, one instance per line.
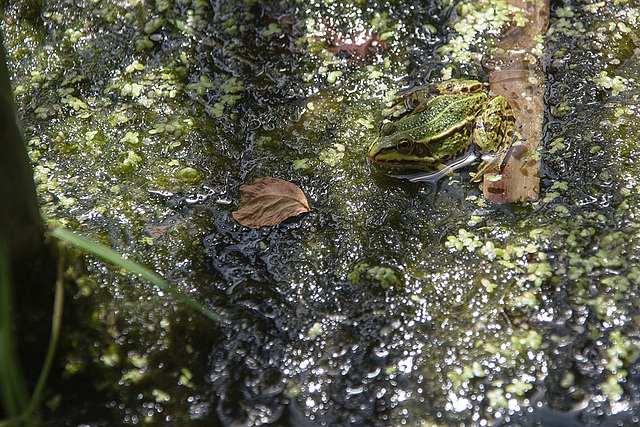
(418,124)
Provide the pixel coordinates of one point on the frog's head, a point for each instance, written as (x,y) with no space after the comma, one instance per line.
(394,148)
(435,130)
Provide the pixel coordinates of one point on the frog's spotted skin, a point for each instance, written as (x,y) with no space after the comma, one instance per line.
(494,126)
(439,122)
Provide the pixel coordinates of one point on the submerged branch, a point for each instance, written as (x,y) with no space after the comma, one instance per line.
(516,74)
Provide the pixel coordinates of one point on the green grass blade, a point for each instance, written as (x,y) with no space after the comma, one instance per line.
(56,324)
(115,258)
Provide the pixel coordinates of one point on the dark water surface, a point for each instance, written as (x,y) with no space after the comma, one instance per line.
(389,303)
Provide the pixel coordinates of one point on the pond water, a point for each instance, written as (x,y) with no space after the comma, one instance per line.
(389,303)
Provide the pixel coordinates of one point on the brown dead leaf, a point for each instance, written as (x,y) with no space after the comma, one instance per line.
(157,231)
(358,48)
(269,201)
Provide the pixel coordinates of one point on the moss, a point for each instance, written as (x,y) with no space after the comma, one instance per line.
(476,29)
(385,276)
(189,174)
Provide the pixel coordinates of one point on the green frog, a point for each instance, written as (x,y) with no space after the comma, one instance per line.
(435,124)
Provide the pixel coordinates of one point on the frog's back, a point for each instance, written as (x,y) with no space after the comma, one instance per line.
(442,114)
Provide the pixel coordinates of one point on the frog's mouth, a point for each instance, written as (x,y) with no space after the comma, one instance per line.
(408,162)
(424,172)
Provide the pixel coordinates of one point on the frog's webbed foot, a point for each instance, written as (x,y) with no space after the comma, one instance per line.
(491,162)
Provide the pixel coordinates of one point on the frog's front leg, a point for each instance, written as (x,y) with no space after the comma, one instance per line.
(494,126)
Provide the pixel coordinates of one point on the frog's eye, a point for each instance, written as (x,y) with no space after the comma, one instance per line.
(413,103)
(387,129)
(404,146)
